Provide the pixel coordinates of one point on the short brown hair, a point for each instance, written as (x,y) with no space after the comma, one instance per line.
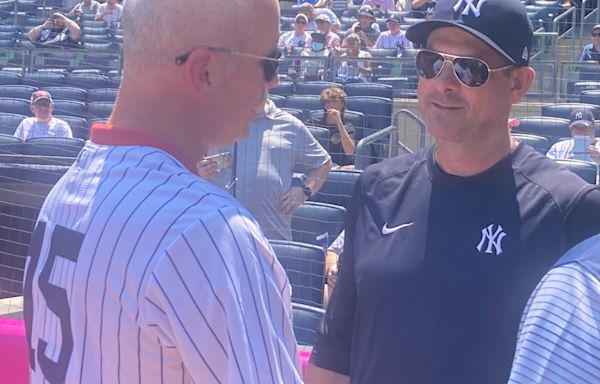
(332,93)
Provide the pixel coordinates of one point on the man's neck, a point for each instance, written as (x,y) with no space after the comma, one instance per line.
(459,160)
(45,121)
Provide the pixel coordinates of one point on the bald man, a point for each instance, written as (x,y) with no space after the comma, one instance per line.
(138,270)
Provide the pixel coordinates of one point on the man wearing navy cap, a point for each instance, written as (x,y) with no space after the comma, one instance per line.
(444,246)
(393,38)
(583,144)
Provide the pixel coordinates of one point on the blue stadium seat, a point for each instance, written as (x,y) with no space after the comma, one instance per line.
(13,148)
(552,128)
(59,141)
(70,108)
(9,139)
(284,88)
(43,79)
(17,91)
(403,86)
(87,81)
(590,97)
(13,105)
(539,143)
(317,223)
(314,87)
(581,86)
(305,267)
(10,78)
(357,119)
(102,94)
(79,125)
(563,110)
(369,89)
(9,122)
(337,188)
(587,171)
(306,321)
(304,102)
(278,100)
(377,110)
(67,93)
(100,109)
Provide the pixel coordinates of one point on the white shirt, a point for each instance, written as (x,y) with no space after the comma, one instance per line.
(564,150)
(291,39)
(110,15)
(398,41)
(30,128)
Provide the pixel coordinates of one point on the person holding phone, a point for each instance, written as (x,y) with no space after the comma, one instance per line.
(366,27)
(583,144)
(58,30)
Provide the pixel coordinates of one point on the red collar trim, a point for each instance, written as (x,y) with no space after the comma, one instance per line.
(108,134)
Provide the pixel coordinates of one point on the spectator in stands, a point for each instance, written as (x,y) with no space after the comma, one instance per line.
(341,133)
(354,63)
(381,5)
(310,12)
(110,12)
(89,7)
(277,146)
(315,63)
(296,38)
(366,27)
(393,38)
(559,335)
(583,130)
(43,124)
(332,39)
(592,50)
(423,8)
(58,30)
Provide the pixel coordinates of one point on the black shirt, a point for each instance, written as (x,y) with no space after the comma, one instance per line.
(56,38)
(335,148)
(437,269)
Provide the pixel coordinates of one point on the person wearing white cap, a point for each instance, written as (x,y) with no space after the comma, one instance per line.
(310,12)
(332,39)
(43,124)
(591,52)
(296,38)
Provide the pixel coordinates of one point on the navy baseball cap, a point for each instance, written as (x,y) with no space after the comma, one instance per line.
(502,24)
(582,116)
(395,17)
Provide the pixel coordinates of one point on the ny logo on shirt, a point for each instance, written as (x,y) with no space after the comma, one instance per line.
(469,6)
(492,238)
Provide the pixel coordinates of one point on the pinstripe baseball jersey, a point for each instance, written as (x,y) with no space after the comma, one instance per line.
(140,271)
(559,336)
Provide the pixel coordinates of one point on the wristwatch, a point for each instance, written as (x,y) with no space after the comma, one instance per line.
(299,182)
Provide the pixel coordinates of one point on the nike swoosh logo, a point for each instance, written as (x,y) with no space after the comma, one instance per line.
(387,230)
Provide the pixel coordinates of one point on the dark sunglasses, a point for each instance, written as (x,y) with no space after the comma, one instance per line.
(269,63)
(470,71)
(596,34)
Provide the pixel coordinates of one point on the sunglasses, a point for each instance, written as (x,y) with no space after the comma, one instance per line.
(269,63)
(596,34)
(470,71)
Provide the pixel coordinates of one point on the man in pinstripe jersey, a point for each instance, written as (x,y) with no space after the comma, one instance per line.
(138,270)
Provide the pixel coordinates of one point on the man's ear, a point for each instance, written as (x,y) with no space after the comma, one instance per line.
(199,68)
(521,79)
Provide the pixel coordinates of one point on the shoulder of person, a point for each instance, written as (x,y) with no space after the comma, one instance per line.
(392,170)
(59,122)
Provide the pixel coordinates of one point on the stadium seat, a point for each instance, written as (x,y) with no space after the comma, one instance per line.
(581,86)
(93,24)
(587,171)
(369,89)
(9,139)
(317,223)
(79,125)
(43,79)
(552,128)
(321,134)
(539,143)
(10,78)
(297,113)
(357,119)
(284,88)
(304,102)
(102,94)
(9,122)
(58,141)
(306,321)
(337,188)
(87,81)
(17,91)
(13,148)
(278,100)
(67,93)
(563,110)
(54,146)
(100,109)
(314,87)
(377,111)
(305,267)
(70,108)
(12,105)
(590,97)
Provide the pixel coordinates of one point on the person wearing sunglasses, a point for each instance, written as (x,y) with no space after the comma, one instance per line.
(148,272)
(591,52)
(444,246)
(296,38)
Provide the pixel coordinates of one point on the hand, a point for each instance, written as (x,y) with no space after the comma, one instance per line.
(78,8)
(595,154)
(332,276)
(513,123)
(291,200)
(334,115)
(48,24)
(207,169)
(60,16)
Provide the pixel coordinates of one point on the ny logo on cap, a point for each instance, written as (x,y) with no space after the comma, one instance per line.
(470,6)
(578,115)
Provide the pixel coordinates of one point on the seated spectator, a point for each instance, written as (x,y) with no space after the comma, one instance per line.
(310,12)
(88,7)
(583,130)
(58,30)
(592,50)
(110,12)
(341,133)
(394,38)
(315,62)
(43,124)
(332,39)
(296,38)
(423,8)
(403,5)
(350,68)
(381,5)
(366,28)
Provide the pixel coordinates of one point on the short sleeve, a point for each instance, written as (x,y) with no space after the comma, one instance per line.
(20,131)
(309,154)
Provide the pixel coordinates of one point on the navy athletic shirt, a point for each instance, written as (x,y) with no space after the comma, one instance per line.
(437,269)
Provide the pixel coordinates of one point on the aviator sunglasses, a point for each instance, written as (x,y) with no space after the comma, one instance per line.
(269,63)
(470,71)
